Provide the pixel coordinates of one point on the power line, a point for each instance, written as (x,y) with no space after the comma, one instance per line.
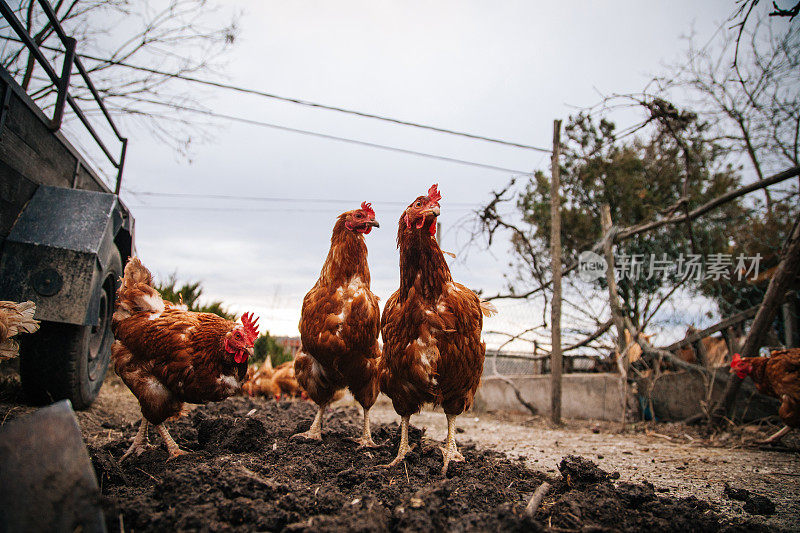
(298,101)
(239,209)
(213,196)
(254,122)
(315,104)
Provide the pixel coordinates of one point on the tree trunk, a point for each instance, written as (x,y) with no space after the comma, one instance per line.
(616,309)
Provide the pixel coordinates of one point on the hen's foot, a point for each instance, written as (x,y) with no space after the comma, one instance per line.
(775,437)
(404,448)
(314,433)
(172,447)
(137,450)
(139,444)
(450,455)
(449,450)
(365,442)
(308,435)
(401,454)
(455,455)
(177,452)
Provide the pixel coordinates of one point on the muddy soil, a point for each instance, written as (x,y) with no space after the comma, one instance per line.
(245,474)
(679,460)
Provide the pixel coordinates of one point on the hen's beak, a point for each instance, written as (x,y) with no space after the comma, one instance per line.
(432,211)
(373,223)
(250,351)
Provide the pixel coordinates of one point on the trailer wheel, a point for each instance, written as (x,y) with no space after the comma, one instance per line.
(65,361)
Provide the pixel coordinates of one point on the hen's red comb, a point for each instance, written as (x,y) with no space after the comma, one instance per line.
(433,193)
(736,362)
(250,327)
(365,206)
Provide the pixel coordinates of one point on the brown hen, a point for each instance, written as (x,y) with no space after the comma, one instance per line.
(167,355)
(340,323)
(285,381)
(779,376)
(431,327)
(15,318)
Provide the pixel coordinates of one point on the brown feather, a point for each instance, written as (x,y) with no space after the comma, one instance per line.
(431,329)
(15,318)
(167,355)
(779,376)
(339,325)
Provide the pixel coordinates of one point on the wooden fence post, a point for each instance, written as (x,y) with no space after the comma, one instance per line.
(555,261)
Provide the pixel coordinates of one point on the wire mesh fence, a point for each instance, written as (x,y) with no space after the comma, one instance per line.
(518,363)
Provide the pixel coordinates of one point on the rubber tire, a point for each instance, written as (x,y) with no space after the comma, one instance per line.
(54,362)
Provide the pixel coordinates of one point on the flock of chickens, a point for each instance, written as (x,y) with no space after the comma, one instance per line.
(431,328)
(277,382)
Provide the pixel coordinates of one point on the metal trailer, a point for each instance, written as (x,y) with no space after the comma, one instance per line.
(64,234)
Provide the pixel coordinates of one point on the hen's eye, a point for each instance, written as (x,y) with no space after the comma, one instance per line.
(359,215)
(418,204)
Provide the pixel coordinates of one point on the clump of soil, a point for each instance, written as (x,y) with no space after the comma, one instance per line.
(753,503)
(590,498)
(575,469)
(245,474)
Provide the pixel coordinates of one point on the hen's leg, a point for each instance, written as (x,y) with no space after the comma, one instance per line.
(139,444)
(315,431)
(404,447)
(172,447)
(450,451)
(366,436)
(775,437)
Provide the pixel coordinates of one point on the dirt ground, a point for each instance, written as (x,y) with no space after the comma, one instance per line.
(245,474)
(677,459)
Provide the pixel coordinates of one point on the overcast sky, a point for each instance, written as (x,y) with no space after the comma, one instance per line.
(500,69)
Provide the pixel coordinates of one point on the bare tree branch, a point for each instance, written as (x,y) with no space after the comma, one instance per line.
(181,36)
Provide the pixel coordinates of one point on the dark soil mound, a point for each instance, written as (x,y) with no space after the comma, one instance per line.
(245,474)
(576,470)
(753,503)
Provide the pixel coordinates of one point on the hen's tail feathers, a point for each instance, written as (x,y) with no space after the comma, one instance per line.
(488,308)
(15,318)
(137,294)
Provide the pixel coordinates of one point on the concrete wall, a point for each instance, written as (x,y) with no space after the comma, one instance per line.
(679,395)
(585,396)
(676,396)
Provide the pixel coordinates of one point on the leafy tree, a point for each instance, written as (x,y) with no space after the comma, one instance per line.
(189,294)
(267,346)
(638,178)
(755,233)
(742,127)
